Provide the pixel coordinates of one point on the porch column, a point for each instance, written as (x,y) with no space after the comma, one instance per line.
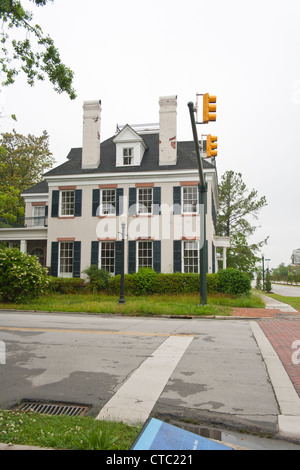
(23,246)
(224,258)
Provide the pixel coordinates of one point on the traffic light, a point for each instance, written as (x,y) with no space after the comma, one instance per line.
(208,108)
(211,146)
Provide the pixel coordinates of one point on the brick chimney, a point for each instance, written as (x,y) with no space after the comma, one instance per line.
(91,134)
(168,130)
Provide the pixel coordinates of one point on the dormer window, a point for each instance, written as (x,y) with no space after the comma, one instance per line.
(130,147)
(128,154)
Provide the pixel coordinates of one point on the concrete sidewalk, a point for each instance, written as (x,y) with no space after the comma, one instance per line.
(276,304)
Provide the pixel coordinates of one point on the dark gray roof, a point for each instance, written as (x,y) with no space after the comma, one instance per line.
(38,188)
(185,151)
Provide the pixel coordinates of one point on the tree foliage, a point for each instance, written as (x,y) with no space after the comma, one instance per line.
(23,160)
(35,54)
(238,206)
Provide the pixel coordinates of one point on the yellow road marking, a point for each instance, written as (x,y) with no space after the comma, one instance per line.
(101,332)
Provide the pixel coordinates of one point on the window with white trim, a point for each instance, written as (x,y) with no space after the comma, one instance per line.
(66,259)
(67,203)
(145,254)
(38,216)
(190,257)
(189,199)
(128,154)
(145,200)
(108,202)
(107,256)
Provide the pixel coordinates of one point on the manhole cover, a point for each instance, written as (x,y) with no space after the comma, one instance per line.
(52,409)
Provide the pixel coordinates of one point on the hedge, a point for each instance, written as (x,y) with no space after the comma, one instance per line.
(232,282)
(147,282)
(60,285)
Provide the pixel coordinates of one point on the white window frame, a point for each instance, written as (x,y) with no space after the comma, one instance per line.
(187,265)
(189,205)
(100,261)
(140,204)
(62,246)
(139,243)
(102,211)
(128,153)
(71,209)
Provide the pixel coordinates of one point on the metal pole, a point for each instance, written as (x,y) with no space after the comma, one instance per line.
(122,298)
(202,191)
(263,271)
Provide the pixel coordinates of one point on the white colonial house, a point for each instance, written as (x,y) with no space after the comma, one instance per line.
(141,177)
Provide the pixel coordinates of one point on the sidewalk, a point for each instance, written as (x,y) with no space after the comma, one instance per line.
(273,308)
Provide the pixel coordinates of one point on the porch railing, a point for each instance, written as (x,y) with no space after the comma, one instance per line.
(24,222)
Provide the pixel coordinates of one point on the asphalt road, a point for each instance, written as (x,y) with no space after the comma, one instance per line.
(288,291)
(208,367)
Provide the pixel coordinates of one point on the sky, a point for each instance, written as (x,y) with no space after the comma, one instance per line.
(128,54)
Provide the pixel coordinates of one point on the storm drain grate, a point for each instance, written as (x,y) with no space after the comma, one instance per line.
(52,409)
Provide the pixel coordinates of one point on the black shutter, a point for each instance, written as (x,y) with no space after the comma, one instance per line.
(177,200)
(55,203)
(54,259)
(76,259)
(156,200)
(118,257)
(119,201)
(131,256)
(95,253)
(78,202)
(177,246)
(132,201)
(157,256)
(96,202)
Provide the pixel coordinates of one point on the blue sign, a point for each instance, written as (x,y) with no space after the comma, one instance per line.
(157,435)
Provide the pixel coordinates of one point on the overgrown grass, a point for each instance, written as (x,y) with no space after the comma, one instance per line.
(64,432)
(182,304)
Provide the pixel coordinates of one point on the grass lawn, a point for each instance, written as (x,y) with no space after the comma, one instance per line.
(185,304)
(64,432)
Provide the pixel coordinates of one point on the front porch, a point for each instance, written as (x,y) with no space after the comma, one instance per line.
(30,235)
(222,243)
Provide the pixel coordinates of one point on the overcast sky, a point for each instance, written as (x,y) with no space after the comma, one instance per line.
(128,54)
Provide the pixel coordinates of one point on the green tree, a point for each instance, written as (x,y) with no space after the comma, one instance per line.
(23,160)
(238,206)
(35,54)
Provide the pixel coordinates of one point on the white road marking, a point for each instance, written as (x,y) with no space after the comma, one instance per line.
(134,400)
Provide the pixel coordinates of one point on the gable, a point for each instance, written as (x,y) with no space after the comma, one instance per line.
(130,147)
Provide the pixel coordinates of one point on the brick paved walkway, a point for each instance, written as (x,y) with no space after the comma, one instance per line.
(282,333)
(262,313)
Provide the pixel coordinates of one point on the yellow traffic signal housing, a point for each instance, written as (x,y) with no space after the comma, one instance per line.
(208,108)
(211,146)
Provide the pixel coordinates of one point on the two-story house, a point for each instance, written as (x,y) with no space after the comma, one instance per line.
(142,177)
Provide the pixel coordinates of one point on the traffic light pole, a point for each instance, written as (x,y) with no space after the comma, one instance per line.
(202,191)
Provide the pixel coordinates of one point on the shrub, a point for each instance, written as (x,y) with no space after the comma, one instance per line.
(98,278)
(144,281)
(21,276)
(233,281)
(60,285)
(212,281)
